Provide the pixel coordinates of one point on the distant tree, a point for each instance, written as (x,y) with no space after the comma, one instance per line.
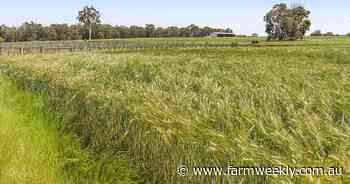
(30,31)
(49,33)
(316,33)
(172,31)
(184,32)
(105,31)
(2,32)
(194,30)
(255,35)
(164,32)
(283,23)
(8,33)
(228,30)
(150,29)
(89,16)
(123,31)
(137,31)
(206,31)
(61,31)
(328,34)
(348,34)
(75,32)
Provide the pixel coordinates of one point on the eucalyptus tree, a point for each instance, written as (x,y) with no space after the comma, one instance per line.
(89,16)
(284,23)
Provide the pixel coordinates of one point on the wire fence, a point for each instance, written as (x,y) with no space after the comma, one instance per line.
(75,46)
(20,48)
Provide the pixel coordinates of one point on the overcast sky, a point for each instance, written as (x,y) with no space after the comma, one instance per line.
(244,16)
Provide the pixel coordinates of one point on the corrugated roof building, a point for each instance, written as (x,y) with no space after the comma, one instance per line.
(222,34)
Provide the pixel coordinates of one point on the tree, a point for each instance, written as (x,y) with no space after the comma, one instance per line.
(194,30)
(305,26)
(206,31)
(8,33)
(62,31)
(316,33)
(283,23)
(172,31)
(123,31)
(2,33)
(105,31)
(75,32)
(160,32)
(150,29)
(89,16)
(328,34)
(184,32)
(228,30)
(30,31)
(50,33)
(137,31)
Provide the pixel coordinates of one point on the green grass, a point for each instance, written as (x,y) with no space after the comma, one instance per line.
(33,149)
(30,147)
(265,106)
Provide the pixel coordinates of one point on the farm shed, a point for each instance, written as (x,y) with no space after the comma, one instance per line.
(222,34)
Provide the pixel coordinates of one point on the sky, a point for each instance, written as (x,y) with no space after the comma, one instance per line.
(244,16)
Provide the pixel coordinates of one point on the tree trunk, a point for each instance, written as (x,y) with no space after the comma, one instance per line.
(90,32)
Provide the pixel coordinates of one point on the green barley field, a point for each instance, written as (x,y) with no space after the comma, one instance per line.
(280,104)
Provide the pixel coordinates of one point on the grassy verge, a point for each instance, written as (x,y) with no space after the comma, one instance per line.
(33,149)
(30,147)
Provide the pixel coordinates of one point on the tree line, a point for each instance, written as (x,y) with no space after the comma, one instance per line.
(282,23)
(31,31)
(319,33)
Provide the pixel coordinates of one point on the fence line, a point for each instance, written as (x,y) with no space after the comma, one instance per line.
(27,49)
